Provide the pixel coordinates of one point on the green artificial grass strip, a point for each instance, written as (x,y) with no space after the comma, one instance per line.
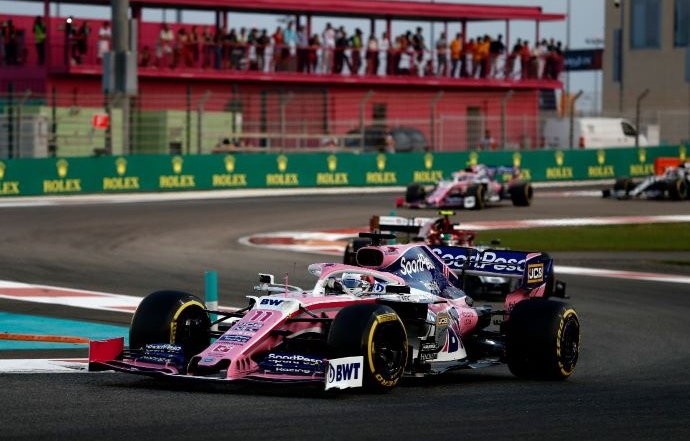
(637,237)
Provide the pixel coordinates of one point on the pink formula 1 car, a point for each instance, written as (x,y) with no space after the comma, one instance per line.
(473,188)
(398,313)
(435,231)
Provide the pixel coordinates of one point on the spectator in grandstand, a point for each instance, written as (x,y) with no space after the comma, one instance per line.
(428,68)
(181,48)
(313,56)
(419,46)
(302,49)
(488,142)
(262,42)
(525,55)
(193,46)
(442,55)
(355,44)
(554,60)
(290,46)
(229,43)
(509,67)
(340,58)
(145,57)
(10,43)
(252,41)
(407,56)
(558,61)
(496,50)
(389,143)
(81,45)
(70,34)
(207,47)
(164,48)
(278,46)
(239,51)
(484,49)
(455,54)
(104,38)
(386,54)
(328,42)
(476,58)
(372,55)
(225,146)
(467,58)
(539,55)
(39,30)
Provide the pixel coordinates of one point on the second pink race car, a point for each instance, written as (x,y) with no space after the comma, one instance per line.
(472,188)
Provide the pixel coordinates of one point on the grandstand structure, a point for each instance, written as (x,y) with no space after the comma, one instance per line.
(283,108)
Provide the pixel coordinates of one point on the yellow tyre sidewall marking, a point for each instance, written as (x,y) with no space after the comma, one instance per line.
(568,313)
(173,323)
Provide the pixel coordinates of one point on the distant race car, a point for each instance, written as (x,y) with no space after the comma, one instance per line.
(434,231)
(399,313)
(473,188)
(673,184)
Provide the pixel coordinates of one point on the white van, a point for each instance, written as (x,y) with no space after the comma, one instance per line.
(590,133)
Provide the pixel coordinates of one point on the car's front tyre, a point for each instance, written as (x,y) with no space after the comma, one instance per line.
(171,317)
(376,333)
(542,339)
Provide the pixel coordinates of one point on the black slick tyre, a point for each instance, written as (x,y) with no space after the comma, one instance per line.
(521,194)
(376,333)
(414,193)
(171,317)
(350,254)
(624,185)
(542,340)
(678,190)
(478,192)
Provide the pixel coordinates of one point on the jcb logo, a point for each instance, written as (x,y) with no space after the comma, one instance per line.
(535,273)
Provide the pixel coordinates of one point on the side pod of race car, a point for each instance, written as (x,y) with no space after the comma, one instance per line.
(673,184)
(472,188)
(399,313)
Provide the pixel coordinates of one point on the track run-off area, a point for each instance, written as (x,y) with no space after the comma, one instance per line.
(327,242)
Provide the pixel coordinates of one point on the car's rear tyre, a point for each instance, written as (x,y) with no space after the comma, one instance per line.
(521,194)
(171,317)
(350,254)
(478,192)
(624,184)
(415,193)
(542,339)
(376,333)
(678,190)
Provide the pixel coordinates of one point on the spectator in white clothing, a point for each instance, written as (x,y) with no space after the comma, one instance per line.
(104,37)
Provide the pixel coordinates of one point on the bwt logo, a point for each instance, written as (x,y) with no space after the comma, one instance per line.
(343,372)
(535,273)
(272,302)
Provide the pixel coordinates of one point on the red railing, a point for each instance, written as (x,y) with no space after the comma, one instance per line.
(63,55)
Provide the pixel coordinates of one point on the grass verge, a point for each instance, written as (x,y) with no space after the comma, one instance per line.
(637,237)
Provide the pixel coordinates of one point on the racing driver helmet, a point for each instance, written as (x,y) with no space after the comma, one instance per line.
(355,284)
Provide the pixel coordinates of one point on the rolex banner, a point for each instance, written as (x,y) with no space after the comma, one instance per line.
(155,173)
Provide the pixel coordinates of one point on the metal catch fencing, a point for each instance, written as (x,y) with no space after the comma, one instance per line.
(76,124)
